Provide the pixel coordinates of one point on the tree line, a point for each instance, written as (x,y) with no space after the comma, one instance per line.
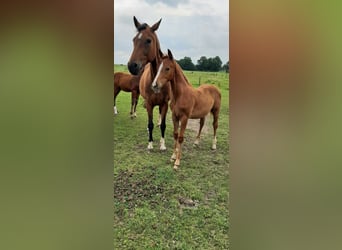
(213,64)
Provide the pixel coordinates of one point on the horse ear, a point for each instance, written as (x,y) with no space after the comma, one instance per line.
(170,54)
(161,53)
(156,25)
(136,22)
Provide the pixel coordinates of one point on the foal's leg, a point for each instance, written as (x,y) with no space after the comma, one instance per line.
(202,120)
(116,92)
(175,136)
(150,125)
(163,108)
(183,121)
(215,125)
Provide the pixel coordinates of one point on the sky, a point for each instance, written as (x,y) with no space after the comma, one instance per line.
(191,28)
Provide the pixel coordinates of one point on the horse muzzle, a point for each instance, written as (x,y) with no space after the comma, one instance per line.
(155,88)
(134,68)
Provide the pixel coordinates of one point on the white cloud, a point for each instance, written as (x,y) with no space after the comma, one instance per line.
(191,28)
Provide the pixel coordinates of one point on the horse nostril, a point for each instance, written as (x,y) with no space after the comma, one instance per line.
(133,68)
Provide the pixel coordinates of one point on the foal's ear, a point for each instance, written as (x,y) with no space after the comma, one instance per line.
(156,25)
(170,54)
(136,22)
(161,53)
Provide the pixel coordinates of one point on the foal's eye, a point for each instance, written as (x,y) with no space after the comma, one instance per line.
(148,40)
(167,69)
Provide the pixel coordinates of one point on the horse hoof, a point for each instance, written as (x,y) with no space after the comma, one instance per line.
(150,146)
(162,148)
(213,147)
(175,167)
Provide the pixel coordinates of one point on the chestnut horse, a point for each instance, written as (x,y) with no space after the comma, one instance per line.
(146,56)
(187,102)
(127,83)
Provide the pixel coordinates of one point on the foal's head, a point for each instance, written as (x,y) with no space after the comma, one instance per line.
(146,46)
(166,72)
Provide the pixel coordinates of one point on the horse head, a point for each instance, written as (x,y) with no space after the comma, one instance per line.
(166,72)
(145,46)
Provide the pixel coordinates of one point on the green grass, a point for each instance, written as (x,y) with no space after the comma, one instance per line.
(148,193)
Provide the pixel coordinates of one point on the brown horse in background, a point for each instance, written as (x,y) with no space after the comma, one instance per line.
(128,83)
(146,56)
(187,102)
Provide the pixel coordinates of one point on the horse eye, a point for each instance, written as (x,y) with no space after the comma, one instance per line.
(148,41)
(167,69)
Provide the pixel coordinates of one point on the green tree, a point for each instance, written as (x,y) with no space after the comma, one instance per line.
(202,64)
(216,63)
(209,64)
(186,63)
(225,67)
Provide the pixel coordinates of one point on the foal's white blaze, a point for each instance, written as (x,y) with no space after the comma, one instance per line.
(140,35)
(154,83)
(115,110)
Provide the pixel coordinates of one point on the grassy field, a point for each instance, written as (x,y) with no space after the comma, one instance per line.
(156,207)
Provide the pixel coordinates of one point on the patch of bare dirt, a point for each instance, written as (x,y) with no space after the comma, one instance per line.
(193,124)
(132,189)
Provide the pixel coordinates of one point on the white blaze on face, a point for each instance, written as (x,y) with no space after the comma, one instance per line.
(154,83)
(140,35)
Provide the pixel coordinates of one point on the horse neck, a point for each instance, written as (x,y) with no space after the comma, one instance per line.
(180,83)
(157,61)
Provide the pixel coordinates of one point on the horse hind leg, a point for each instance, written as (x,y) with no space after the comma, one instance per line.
(159,117)
(215,125)
(198,137)
(133,105)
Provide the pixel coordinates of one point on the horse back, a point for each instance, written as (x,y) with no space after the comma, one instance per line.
(208,97)
(211,90)
(126,82)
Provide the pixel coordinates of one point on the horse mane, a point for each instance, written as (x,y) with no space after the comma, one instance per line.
(180,73)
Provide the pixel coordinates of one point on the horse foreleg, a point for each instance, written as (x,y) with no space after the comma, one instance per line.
(175,136)
(163,113)
(202,120)
(150,125)
(116,92)
(183,123)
